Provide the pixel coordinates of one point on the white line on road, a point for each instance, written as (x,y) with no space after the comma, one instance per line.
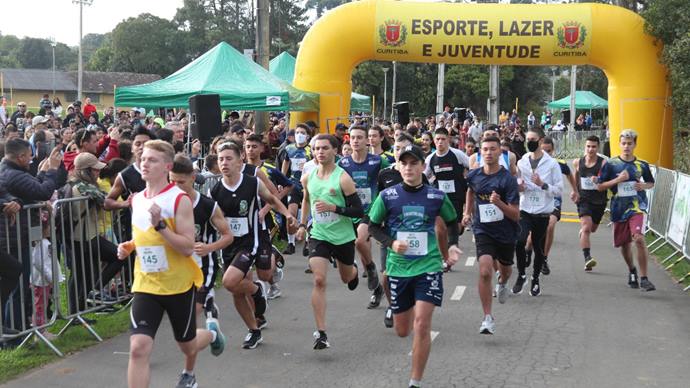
(434,334)
(125,353)
(457,294)
(470,261)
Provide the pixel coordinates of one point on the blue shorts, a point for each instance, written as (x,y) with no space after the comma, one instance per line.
(405,291)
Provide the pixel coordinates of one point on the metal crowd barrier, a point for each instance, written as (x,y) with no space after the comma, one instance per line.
(571,144)
(208,184)
(660,212)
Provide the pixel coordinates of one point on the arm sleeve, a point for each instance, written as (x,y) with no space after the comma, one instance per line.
(353,207)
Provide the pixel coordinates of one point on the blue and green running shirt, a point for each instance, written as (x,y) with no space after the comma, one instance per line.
(365,175)
(411,216)
(626,201)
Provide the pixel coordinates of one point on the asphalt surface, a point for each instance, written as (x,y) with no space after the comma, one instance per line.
(585,330)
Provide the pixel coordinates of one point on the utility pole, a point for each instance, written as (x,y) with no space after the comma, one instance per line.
(385,91)
(440,85)
(263,45)
(494,93)
(395,73)
(53,43)
(573,82)
(80,69)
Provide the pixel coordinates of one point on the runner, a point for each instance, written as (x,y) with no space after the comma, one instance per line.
(129,181)
(507,159)
(492,207)
(332,200)
(166,276)
(414,264)
(208,223)
(297,155)
(591,203)
(378,145)
(539,181)
(364,169)
(628,178)
(238,195)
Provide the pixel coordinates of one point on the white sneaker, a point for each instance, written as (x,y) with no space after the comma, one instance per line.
(274,291)
(502,292)
(488,325)
(277,275)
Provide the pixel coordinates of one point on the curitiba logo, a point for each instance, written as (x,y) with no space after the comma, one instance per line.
(571,35)
(392,33)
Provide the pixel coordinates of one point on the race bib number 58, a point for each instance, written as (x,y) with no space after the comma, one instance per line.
(417,243)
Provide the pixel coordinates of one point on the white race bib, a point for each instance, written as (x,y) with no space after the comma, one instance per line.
(489,212)
(446,186)
(297,164)
(587,184)
(536,198)
(364,195)
(416,243)
(627,189)
(152,258)
(324,217)
(239,226)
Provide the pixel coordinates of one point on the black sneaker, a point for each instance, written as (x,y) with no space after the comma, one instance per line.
(632,279)
(519,283)
(646,285)
(352,284)
(308,269)
(305,250)
(290,249)
(535,290)
(372,277)
(375,299)
(260,300)
(388,318)
(261,322)
(545,268)
(252,340)
(320,341)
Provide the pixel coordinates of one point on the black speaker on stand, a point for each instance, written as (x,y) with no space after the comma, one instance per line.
(204,116)
(402,112)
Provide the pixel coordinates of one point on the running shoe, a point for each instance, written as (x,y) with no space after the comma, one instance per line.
(261,322)
(519,283)
(260,300)
(646,285)
(305,250)
(590,263)
(308,269)
(375,299)
(187,381)
(320,341)
(535,289)
(352,284)
(290,249)
(502,293)
(274,292)
(211,308)
(252,339)
(278,274)
(632,279)
(372,277)
(446,267)
(388,318)
(218,345)
(545,268)
(488,325)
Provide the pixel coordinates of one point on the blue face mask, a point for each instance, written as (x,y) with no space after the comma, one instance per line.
(300,138)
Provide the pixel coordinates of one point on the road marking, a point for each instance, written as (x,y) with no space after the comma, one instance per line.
(574,221)
(434,334)
(125,353)
(569,213)
(457,294)
(470,261)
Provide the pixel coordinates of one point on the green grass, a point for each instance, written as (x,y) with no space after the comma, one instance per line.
(676,272)
(35,354)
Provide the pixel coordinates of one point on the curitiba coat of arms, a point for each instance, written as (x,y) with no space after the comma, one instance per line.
(571,35)
(392,33)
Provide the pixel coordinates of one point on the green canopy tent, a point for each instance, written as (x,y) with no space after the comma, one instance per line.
(241,84)
(283,67)
(584,99)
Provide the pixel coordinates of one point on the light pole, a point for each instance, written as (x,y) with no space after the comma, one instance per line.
(385,91)
(553,82)
(80,69)
(395,71)
(53,43)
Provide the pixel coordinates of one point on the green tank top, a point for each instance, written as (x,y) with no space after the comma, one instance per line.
(329,226)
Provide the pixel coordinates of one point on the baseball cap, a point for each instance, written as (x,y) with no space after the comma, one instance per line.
(38,120)
(414,151)
(237,129)
(87,160)
(311,124)
(340,126)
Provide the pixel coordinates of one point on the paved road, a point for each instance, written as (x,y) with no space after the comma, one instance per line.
(585,330)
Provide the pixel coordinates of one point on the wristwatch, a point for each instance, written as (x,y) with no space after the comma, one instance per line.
(545,186)
(160,226)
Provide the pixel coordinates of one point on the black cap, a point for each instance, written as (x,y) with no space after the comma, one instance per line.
(77,103)
(237,129)
(311,124)
(412,150)
(340,126)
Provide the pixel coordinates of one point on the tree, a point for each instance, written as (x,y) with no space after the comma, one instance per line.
(35,54)
(322,6)
(287,25)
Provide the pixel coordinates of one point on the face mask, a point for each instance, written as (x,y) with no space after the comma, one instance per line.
(532,145)
(300,138)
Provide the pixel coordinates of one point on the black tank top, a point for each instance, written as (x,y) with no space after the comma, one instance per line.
(131,178)
(240,204)
(203,210)
(592,196)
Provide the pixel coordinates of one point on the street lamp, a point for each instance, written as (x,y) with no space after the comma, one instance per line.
(553,82)
(53,43)
(385,90)
(395,68)
(80,70)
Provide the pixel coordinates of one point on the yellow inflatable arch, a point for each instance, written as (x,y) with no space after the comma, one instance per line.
(611,38)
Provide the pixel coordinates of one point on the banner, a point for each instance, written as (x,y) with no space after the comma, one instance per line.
(680,211)
(486,34)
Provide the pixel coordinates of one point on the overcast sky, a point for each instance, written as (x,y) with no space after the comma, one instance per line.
(60,18)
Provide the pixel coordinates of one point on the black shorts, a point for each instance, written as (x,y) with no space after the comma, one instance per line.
(592,210)
(502,252)
(241,257)
(262,259)
(295,196)
(405,291)
(344,253)
(557,213)
(147,312)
